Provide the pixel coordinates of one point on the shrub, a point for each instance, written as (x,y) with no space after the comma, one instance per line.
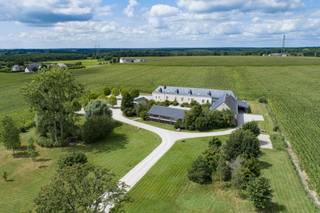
(45,142)
(115,91)
(9,134)
(96,128)
(259,192)
(106,91)
(143,115)
(200,171)
(98,108)
(112,100)
(253,127)
(72,159)
(263,100)
(31,149)
(134,93)
(179,124)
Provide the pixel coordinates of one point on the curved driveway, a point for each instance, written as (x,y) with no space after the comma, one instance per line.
(168,138)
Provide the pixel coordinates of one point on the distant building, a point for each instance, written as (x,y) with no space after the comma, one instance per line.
(165,114)
(61,65)
(278,54)
(32,68)
(131,60)
(218,99)
(17,68)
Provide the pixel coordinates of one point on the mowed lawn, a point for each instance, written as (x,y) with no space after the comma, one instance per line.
(126,147)
(166,187)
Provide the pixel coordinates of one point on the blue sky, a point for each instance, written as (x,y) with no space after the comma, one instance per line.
(155,23)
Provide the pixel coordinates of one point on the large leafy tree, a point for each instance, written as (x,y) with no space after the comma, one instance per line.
(53,94)
(200,172)
(9,134)
(80,188)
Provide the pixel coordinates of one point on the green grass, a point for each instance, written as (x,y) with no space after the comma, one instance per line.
(85,62)
(166,187)
(290,84)
(120,152)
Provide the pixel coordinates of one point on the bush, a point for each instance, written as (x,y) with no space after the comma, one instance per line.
(134,93)
(98,108)
(144,115)
(9,134)
(260,192)
(112,100)
(179,124)
(200,172)
(45,142)
(115,92)
(72,159)
(253,127)
(263,100)
(96,128)
(106,91)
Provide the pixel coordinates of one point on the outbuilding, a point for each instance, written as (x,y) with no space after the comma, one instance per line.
(166,114)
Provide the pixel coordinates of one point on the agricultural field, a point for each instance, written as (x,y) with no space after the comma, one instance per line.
(119,152)
(291,85)
(85,62)
(166,187)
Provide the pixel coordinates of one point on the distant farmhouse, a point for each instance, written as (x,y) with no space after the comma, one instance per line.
(32,68)
(218,100)
(131,60)
(17,68)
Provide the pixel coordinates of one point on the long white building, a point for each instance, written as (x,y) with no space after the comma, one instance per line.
(218,99)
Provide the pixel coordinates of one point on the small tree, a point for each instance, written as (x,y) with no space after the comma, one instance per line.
(5,176)
(112,100)
(96,127)
(144,115)
(200,172)
(212,154)
(263,100)
(134,93)
(115,91)
(253,127)
(260,192)
(72,159)
(31,148)
(81,188)
(9,134)
(127,105)
(106,91)
(98,108)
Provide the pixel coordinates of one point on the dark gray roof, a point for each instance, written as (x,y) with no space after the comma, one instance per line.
(200,92)
(168,112)
(33,67)
(229,100)
(243,104)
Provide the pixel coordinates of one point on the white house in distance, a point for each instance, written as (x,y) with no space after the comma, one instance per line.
(125,60)
(17,68)
(32,68)
(218,99)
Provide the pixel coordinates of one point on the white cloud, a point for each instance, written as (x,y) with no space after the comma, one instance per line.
(129,10)
(161,10)
(207,6)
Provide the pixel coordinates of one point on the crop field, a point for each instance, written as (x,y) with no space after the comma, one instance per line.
(166,187)
(290,84)
(119,153)
(85,62)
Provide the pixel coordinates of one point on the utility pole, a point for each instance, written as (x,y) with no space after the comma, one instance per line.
(283,45)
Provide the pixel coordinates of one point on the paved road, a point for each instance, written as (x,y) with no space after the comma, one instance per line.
(168,138)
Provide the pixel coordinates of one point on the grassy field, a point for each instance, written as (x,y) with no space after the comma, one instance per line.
(290,84)
(119,152)
(166,187)
(85,62)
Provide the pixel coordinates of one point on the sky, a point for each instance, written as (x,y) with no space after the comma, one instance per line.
(155,23)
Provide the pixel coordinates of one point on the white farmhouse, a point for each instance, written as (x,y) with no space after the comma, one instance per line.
(124,60)
(32,68)
(17,68)
(218,99)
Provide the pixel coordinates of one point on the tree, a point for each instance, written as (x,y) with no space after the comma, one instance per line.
(242,142)
(98,108)
(71,159)
(96,127)
(263,100)
(31,149)
(80,188)
(144,115)
(127,105)
(201,123)
(260,192)
(115,91)
(200,171)
(212,154)
(9,134)
(112,100)
(253,127)
(106,91)
(51,95)
(5,176)
(134,93)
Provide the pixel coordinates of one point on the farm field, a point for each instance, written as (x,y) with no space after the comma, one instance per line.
(166,187)
(290,84)
(85,62)
(119,152)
